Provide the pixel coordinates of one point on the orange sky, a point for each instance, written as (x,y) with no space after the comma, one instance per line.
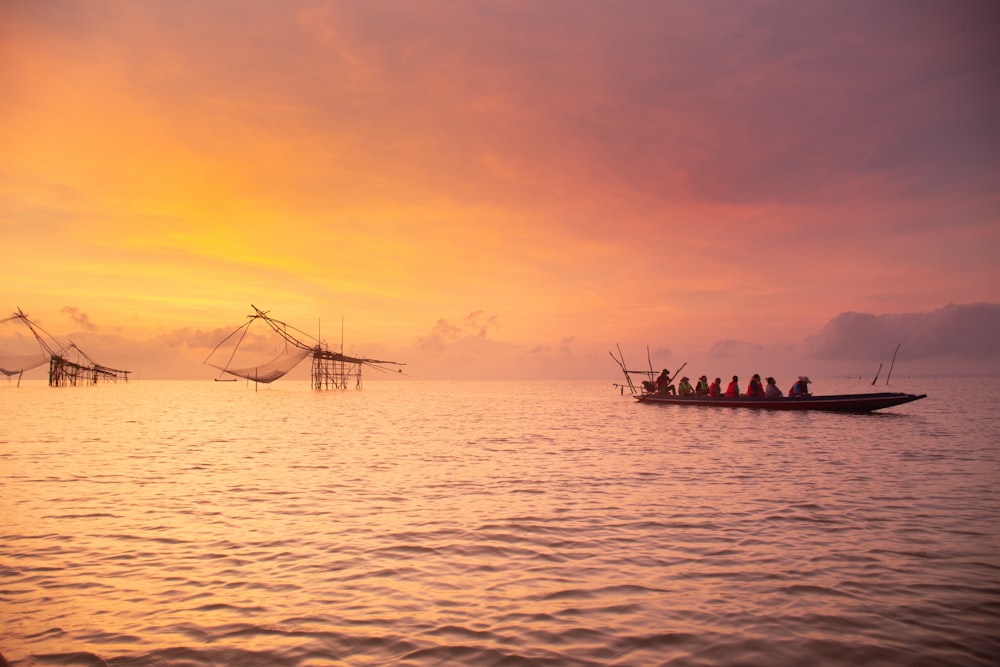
(487,189)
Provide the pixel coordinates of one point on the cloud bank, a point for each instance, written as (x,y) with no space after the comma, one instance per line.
(964,331)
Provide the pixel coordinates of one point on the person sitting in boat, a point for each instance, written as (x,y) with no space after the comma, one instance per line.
(733,390)
(663,385)
(755,389)
(685,388)
(771,390)
(801,387)
(715,391)
(701,389)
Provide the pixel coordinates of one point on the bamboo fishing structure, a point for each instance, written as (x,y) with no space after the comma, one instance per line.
(69,366)
(66,373)
(330,369)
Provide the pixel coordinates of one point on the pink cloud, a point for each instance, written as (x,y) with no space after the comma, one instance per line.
(963,331)
(685,171)
(80,318)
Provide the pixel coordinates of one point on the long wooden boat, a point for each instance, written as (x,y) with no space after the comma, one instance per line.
(832,403)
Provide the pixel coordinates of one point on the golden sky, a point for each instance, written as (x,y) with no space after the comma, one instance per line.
(495,189)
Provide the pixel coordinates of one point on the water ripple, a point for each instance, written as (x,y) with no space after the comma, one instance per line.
(177,524)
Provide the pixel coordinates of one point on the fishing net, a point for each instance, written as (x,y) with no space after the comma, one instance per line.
(270,371)
(20,347)
(13,364)
(330,369)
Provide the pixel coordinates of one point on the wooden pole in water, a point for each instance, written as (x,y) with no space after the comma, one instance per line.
(876,374)
(892,364)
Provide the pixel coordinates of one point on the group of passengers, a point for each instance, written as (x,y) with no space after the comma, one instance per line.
(755,389)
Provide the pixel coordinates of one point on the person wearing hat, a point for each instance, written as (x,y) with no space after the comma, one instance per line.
(755,389)
(685,388)
(771,390)
(701,389)
(801,387)
(663,385)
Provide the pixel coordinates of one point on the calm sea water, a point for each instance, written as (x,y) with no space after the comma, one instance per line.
(434,523)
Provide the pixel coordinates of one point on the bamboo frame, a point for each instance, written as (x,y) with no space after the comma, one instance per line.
(330,370)
(64,372)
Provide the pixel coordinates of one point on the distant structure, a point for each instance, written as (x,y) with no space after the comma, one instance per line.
(330,370)
(68,364)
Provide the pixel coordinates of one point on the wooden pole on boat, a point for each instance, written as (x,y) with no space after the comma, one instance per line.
(889,374)
(678,372)
(621,364)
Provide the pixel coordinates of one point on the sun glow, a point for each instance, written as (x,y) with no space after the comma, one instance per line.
(161,172)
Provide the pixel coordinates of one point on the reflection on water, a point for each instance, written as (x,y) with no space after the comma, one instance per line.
(419,523)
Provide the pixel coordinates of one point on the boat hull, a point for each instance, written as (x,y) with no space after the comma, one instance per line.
(833,403)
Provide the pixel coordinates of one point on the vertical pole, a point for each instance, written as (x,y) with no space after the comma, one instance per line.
(893,363)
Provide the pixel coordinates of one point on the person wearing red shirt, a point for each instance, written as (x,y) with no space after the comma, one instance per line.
(801,387)
(715,391)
